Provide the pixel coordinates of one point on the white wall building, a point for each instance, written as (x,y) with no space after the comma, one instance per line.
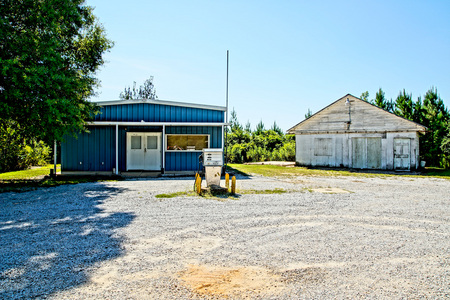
(353,133)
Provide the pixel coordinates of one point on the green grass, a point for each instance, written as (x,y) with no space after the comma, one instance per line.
(175,194)
(437,172)
(274,191)
(29,173)
(279,171)
(31,179)
(220,195)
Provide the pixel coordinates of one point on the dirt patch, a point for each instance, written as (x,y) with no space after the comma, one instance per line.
(331,191)
(226,282)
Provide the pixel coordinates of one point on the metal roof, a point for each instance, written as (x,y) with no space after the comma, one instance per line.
(160,102)
(293,130)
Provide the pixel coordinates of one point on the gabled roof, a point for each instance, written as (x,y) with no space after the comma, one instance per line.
(354,115)
(160,102)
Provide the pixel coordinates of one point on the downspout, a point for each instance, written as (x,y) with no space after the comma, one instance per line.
(117,149)
(164,148)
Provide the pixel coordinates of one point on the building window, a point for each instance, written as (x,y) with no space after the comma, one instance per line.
(152,142)
(187,142)
(323,147)
(135,142)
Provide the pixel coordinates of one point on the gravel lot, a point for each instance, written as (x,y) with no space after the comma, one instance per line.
(327,237)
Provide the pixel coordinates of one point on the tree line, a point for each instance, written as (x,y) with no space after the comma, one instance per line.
(247,145)
(261,144)
(430,112)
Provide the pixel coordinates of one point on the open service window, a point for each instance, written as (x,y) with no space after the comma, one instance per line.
(187,142)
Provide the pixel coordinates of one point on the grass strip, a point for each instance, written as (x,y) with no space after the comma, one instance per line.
(175,194)
(25,185)
(274,191)
(221,195)
(29,173)
(286,172)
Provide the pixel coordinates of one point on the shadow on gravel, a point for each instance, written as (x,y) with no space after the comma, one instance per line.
(49,238)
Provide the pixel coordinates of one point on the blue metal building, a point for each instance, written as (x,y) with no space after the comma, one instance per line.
(144,135)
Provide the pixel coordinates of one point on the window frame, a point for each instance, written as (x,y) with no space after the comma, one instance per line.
(323,151)
(186,134)
(140,142)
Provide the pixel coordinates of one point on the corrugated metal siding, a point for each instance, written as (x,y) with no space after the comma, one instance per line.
(182,161)
(99,146)
(187,160)
(157,113)
(91,149)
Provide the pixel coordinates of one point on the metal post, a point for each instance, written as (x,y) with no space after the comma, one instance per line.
(164,148)
(226,119)
(222,136)
(117,149)
(54,157)
(226,116)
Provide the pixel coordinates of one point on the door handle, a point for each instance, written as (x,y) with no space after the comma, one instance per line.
(145,149)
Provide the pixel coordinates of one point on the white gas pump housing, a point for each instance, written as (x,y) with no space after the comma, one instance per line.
(213,162)
(212,157)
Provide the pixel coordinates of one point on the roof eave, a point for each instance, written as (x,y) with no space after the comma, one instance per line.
(161,102)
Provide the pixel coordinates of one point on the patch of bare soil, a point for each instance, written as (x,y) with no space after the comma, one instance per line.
(331,191)
(229,282)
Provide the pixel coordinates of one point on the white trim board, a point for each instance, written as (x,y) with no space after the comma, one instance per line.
(122,123)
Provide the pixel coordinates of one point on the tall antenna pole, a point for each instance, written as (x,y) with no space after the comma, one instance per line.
(226,117)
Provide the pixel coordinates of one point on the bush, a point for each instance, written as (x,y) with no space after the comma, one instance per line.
(257,154)
(17,153)
(37,154)
(245,145)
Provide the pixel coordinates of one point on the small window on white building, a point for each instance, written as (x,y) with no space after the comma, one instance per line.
(323,147)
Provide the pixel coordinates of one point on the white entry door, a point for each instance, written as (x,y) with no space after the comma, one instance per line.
(144,151)
(402,160)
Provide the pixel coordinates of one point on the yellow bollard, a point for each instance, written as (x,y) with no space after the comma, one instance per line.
(198,184)
(195,182)
(233,185)
(227,181)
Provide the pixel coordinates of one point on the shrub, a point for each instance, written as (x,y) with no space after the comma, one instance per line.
(245,145)
(17,153)
(37,154)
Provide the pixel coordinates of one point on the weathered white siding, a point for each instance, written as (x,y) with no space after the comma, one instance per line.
(356,115)
(357,134)
(376,150)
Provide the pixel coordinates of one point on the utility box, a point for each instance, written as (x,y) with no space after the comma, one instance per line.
(213,162)
(213,157)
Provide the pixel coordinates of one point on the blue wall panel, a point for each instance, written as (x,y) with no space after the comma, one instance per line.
(182,161)
(94,151)
(157,113)
(188,160)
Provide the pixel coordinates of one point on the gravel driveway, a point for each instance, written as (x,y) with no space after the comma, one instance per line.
(327,237)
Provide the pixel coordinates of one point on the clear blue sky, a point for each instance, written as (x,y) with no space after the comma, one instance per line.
(285,56)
